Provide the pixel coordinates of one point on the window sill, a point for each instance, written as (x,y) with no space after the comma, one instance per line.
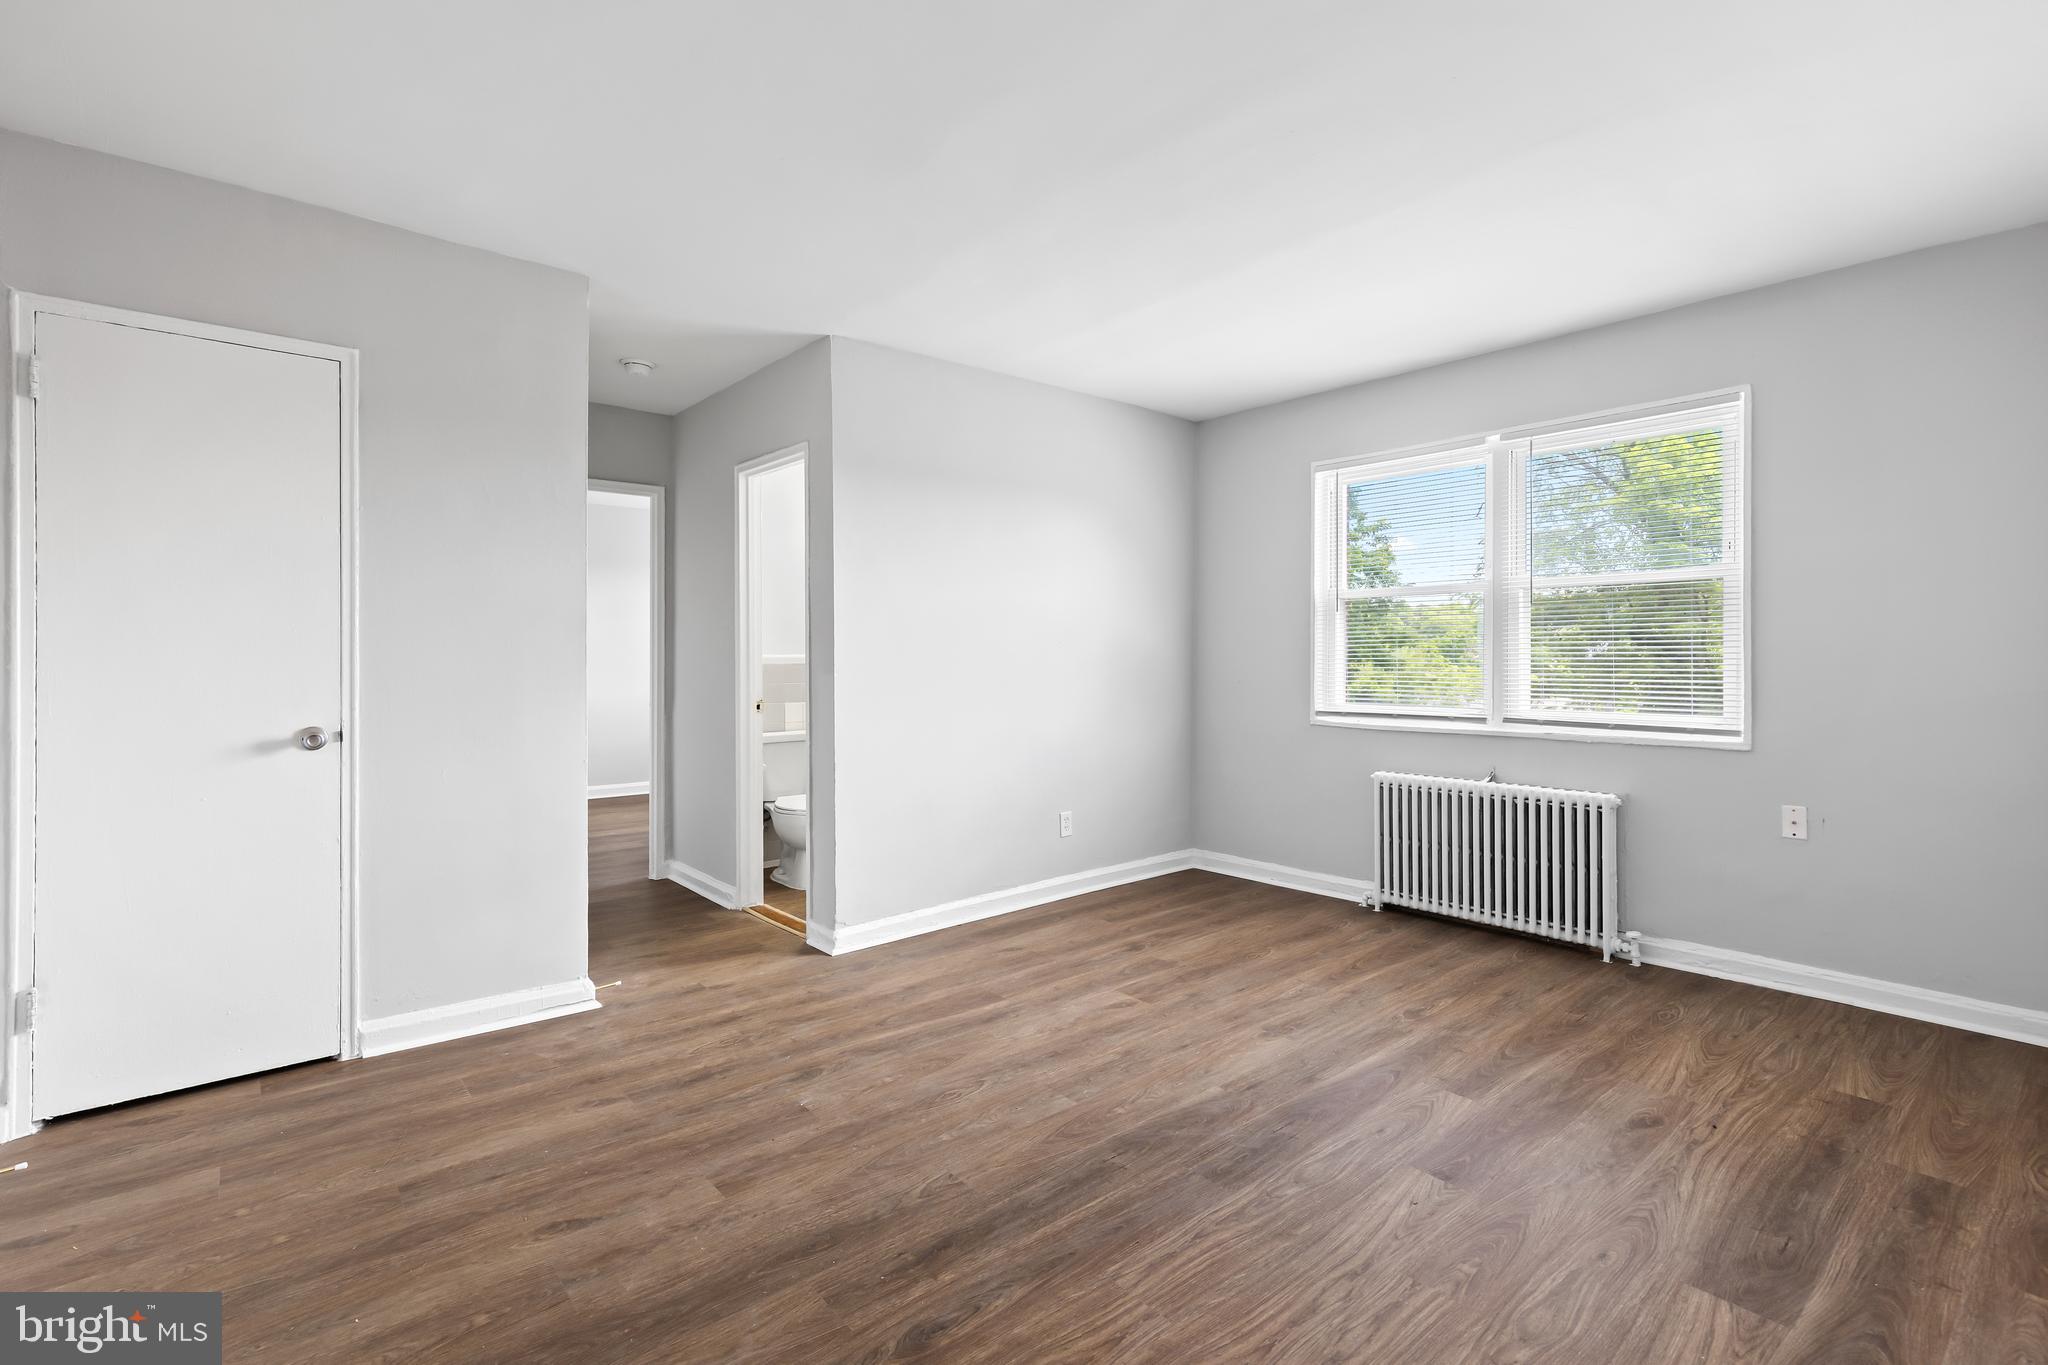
(1483,731)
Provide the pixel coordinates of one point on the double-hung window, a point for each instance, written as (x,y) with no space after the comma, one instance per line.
(1580,578)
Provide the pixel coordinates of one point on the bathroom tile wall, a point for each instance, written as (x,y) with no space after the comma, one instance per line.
(784,702)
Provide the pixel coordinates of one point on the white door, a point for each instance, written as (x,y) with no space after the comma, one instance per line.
(188,621)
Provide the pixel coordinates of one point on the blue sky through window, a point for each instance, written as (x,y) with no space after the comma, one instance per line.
(1433,522)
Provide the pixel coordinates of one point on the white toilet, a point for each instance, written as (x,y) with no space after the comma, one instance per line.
(791,816)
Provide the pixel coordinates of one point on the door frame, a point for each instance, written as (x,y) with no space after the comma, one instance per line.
(657,626)
(747,875)
(17,920)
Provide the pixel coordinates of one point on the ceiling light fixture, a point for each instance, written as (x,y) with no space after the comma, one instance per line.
(639,369)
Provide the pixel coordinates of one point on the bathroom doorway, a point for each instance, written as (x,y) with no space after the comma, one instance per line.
(773,616)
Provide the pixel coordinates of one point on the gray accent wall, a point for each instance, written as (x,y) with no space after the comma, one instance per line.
(1001,616)
(474,381)
(1013,580)
(630,446)
(1900,474)
(620,546)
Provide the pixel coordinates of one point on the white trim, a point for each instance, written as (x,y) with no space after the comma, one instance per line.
(1503,470)
(1698,739)
(444,1023)
(351,689)
(657,787)
(1275,874)
(16,1119)
(611,789)
(847,938)
(1823,983)
(703,884)
(17,927)
(747,670)
(1692,573)
(1889,997)
(1748,579)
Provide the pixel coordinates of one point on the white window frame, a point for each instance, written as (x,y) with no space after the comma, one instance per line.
(1506,454)
(1341,594)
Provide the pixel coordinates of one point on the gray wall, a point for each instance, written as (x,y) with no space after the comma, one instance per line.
(1012,580)
(618,681)
(1900,411)
(630,446)
(638,447)
(474,378)
(781,405)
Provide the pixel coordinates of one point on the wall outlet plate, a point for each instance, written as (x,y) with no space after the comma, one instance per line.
(1792,822)
(1066,823)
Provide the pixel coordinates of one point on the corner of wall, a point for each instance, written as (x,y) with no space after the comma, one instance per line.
(783,403)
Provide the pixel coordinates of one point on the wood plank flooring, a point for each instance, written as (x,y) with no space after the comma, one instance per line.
(782,904)
(1187,1120)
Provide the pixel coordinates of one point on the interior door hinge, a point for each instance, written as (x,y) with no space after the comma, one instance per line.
(25,1010)
(32,378)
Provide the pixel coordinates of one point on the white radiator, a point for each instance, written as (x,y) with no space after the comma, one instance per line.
(1532,859)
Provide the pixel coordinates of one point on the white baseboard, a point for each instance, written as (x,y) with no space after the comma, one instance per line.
(704,884)
(849,938)
(1889,997)
(1273,874)
(397,1032)
(618,789)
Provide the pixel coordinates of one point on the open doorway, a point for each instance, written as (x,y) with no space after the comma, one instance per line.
(774,688)
(626,530)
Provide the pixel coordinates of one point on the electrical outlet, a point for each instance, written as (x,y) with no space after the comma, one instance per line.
(1792,821)
(1066,823)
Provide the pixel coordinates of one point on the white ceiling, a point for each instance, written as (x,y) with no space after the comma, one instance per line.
(1197,207)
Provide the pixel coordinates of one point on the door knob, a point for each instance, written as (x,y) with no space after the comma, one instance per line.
(312,737)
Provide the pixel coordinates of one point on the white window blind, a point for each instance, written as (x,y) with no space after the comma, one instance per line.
(1408,586)
(1581,577)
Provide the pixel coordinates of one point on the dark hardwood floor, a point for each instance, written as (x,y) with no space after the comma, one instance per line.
(1188,1120)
